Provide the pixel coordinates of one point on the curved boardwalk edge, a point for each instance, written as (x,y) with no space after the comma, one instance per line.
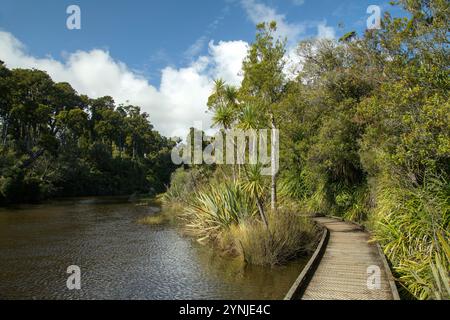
(387,268)
(342,265)
(308,271)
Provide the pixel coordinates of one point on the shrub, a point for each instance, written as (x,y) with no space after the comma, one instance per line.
(287,237)
(318,203)
(18,188)
(218,207)
(183,184)
(293,185)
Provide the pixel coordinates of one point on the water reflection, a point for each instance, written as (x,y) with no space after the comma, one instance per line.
(119,259)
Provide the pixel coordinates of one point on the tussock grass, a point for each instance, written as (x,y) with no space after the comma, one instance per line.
(168,214)
(153,220)
(288,237)
(215,209)
(412,224)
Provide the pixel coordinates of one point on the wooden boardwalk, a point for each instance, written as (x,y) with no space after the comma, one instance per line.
(342,273)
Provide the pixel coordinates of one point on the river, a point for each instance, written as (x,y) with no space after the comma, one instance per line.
(119,258)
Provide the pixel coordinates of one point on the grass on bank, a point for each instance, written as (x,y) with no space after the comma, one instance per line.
(288,236)
(164,215)
(169,214)
(154,220)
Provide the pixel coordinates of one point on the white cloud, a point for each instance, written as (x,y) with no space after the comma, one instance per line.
(174,107)
(325,32)
(228,57)
(259,12)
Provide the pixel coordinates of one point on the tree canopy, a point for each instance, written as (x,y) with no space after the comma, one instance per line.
(55,142)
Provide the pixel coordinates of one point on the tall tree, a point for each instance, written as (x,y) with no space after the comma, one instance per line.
(263,85)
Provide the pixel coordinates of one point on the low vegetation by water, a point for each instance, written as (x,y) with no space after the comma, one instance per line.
(220,212)
(287,237)
(157,219)
(168,215)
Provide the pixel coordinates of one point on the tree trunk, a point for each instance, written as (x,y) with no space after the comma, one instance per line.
(274,163)
(261,211)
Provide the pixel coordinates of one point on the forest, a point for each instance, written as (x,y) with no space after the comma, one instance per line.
(57,143)
(364,135)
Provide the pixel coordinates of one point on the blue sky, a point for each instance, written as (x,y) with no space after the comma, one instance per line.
(154,41)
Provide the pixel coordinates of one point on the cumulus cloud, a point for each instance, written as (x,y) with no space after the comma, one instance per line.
(325,32)
(259,12)
(176,105)
(228,57)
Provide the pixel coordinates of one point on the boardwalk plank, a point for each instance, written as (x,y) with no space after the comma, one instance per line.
(342,272)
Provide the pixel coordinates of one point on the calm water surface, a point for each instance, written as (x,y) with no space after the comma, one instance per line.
(119,259)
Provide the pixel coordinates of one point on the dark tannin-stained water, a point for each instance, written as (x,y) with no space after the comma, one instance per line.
(119,258)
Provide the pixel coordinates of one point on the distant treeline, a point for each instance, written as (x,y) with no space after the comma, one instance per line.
(55,142)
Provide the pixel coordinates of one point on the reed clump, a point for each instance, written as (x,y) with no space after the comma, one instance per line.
(288,236)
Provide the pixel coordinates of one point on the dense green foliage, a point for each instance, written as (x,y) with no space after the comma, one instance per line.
(365,135)
(55,142)
(369,132)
